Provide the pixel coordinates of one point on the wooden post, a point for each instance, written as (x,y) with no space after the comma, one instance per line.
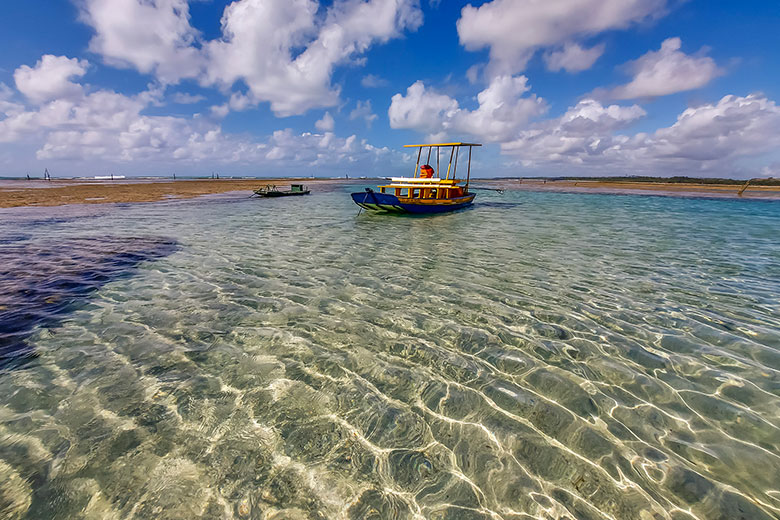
(450,164)
(468,172)
(743,188)
(419,153)
(455,169)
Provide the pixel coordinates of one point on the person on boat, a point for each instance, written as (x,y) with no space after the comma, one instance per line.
(426,171)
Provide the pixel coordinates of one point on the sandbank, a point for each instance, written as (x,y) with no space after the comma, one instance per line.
(19,193)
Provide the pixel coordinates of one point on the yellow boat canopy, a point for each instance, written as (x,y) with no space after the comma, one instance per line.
(440,144)
(451,166)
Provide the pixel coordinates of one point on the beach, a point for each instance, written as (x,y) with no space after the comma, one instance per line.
(20,193)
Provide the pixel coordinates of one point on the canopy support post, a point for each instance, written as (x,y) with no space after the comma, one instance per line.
(468,173)
(455,169)
(450,165)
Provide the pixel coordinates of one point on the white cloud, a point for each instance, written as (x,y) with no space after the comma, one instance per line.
(514,30)
(239,101)
(321,149)
(583,131)
(772,170)
(473,73)
(666,71)
(153,36)
(285,52)
(183,98)
(326,124)
(502,110)
(363,111)
(50,78)
(5,92)
(573,58)
(421,109)
(707,139)
(373,81)
(261,35)
(108,127)
(220,111)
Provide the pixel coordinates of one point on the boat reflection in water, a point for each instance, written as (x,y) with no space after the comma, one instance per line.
(426,191)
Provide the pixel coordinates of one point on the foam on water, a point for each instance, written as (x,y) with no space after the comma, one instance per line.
(542,355)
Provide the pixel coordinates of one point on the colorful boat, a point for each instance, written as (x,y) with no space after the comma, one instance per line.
(426,191)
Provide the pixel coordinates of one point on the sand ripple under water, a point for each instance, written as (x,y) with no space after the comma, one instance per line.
(541,355)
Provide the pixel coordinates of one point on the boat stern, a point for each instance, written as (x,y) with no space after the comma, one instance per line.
(372,200)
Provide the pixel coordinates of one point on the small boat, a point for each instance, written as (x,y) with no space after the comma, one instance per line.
(270,190)
(426,191)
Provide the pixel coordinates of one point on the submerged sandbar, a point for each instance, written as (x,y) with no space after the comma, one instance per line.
(20,193)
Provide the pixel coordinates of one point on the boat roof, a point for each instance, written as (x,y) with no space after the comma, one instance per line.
(424,180)
(415,186)
(440,144)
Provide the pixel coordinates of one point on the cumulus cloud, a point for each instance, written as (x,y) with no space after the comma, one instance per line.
(514,31)
(50,78)
(5,92)
(262,36)
(153,36)
(285,52)
(220,111)
(321,149)
(583,131)
(363,111)
(704,139)
(573,58)
(373,81)
(502,110)
(326,124)
(106,126)
(183,98)
(667,71)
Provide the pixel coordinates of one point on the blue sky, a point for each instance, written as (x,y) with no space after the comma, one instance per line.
(262,87)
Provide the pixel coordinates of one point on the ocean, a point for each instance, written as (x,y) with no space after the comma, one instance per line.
(539,355)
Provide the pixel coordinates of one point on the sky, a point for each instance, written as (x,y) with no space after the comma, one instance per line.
(337,87)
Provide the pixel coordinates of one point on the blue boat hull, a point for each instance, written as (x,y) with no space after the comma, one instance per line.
(374,201)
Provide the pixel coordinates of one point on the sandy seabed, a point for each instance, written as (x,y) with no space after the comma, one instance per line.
(20,193)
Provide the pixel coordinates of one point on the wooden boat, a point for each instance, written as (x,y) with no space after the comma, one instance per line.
(426,191)
(270,190)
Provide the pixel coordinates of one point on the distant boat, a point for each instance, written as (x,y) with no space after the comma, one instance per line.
(426,191)
(270,190)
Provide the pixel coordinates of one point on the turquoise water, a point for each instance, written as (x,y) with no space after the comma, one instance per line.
(541,355)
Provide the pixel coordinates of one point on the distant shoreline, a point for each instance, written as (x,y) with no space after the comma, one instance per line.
(629,187)
(39,193)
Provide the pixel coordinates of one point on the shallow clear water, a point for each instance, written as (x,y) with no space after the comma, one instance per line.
(541,355)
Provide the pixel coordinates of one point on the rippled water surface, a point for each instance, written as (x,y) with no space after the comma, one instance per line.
(541,355)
